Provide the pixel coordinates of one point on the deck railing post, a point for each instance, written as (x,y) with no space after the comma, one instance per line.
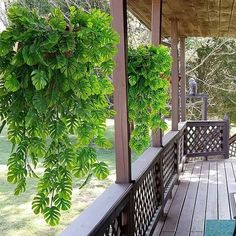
(226,136)
(156,40)
(174,75)
(122,128)
(120,80)
(183,78)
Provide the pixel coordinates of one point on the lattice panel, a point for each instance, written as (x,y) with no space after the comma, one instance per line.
(169,165)
(115,228)
(204,139)
(147,198)
(232,149)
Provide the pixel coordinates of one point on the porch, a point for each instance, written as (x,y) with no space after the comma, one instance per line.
(135,204)
(202,193)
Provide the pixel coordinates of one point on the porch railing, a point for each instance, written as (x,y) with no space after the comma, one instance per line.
(232,146)
(207,138)
(134,209)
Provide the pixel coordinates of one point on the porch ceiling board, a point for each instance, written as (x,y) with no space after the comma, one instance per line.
(197,18)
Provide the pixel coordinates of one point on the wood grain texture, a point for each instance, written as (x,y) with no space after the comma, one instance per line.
(120,80)
(203,194)
(196,17)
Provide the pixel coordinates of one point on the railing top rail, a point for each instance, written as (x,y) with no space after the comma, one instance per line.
(232,139)
(99,211)
(206,122)
(145,161)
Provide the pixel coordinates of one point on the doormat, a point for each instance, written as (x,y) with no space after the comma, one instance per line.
(219,227)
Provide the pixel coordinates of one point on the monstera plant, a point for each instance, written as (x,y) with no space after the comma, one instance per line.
(54,85)
(148,71)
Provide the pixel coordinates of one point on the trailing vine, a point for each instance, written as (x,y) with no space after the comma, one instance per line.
(148,71)
(54,83)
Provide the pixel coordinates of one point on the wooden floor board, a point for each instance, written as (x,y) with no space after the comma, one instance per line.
(189,203)
(203,193)
(176,206)
(200,206)
(212,205)
(223,201)
(230,180)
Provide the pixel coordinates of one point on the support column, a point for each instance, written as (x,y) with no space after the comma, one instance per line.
(175,75)
(183,78)
(205,107)
(120,79)
(156,40)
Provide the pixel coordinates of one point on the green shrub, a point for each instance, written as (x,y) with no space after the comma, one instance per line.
(148,71)
(54,84)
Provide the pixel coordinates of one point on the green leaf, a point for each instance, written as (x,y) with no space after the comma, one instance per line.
(11,83)
(62,203)
(21,187)
(39,79)
(100,170)
(57,21)
(39,203)
(52,215)
(81,170)
(57,129)
(40,103)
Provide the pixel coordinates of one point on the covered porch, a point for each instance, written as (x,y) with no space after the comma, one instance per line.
(139,202)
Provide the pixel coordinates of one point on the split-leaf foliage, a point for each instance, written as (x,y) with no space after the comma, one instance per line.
(54,84)
(148,71)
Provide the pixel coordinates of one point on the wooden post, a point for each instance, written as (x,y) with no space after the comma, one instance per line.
(120,79)
(183,78)
(156,21)
(205,108)
(156,40)
(175,75)
(226,136)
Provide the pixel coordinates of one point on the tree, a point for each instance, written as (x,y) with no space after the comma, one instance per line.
(211,62)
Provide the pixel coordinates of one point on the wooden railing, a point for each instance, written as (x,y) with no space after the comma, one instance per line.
(207,138)
(134,209)
(232,146)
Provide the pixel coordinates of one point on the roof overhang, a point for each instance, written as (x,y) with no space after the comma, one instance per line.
(197,18)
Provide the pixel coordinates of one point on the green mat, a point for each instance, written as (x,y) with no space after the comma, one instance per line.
(219,227)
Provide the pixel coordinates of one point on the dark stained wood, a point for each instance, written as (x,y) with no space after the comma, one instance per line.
(200,206)
(223,200)
(156,21)
(230,178)
(183,79)
(156,40)
(120,79)
(185,220)
(210,190)
(174,75)
(95,214)
(161,222)
(176,207)
(212,205)
(226,136)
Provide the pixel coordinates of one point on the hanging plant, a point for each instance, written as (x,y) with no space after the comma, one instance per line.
(54,84)
(148,72)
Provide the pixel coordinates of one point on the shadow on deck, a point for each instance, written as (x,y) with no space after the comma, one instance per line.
(203,193)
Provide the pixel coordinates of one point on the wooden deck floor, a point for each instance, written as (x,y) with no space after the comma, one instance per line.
(203,193)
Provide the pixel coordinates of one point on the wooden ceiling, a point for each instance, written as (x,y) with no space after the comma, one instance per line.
(197,18)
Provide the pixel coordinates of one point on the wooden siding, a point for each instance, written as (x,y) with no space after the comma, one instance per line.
(203,18)
(203,193)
